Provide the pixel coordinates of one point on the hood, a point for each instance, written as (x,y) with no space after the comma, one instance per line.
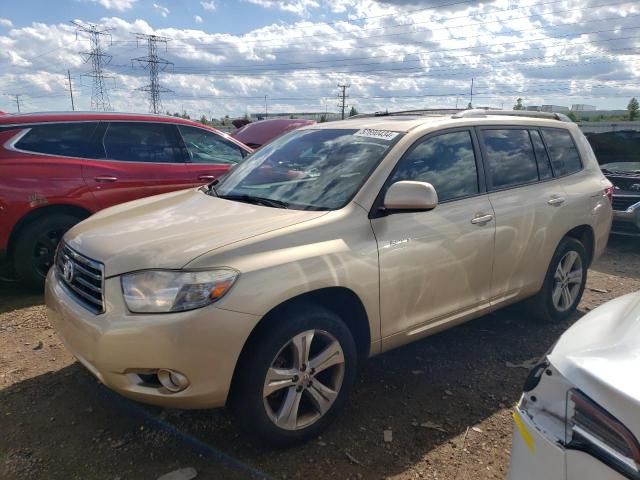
(170,230)
(600,354)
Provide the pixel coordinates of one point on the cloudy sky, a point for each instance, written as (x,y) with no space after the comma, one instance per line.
(227,55)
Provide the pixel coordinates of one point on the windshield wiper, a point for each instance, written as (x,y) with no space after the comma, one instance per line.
(268,202)
(210,188)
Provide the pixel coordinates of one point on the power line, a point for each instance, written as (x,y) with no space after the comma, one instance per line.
(154,64)
(99,59)
(344,96)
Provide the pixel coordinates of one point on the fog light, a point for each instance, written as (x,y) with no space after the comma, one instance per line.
(172,380)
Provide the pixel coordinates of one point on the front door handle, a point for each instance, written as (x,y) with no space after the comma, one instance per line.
(106,178)
(207,177)
(555,201)
(481,219)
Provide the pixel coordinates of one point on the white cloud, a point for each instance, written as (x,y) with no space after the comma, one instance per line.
(119,5)
(198,19)
(395,58)
(299,7)
(5,22)
(164,11)
(208,6)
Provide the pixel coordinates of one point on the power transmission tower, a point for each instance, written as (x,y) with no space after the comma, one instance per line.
(155,65)
(98,59)
(344,97)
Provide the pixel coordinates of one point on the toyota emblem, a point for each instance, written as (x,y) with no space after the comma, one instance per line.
(68,270)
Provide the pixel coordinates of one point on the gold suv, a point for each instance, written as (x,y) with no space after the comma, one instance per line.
(331,244)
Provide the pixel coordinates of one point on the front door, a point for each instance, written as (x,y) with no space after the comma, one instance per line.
(436,266)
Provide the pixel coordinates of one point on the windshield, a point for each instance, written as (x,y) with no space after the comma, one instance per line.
(308,169)
(626,167)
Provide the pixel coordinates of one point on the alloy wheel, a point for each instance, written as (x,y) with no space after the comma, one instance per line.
(567,281)
(304,380)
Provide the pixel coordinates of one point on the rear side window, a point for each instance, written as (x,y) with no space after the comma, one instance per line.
(510,157)
(446,161)
(143,142)
(64,139)
(207,147)
(544,166)
(564,155)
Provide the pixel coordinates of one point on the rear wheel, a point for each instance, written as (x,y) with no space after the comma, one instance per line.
(564,283)
(297,377)
(35,247)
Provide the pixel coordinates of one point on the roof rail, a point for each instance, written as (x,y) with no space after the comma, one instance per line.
(421,111)
(512,113)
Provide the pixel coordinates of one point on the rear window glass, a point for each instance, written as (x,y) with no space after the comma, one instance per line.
(564,155)
(510,157)
(143,142)
(64,139)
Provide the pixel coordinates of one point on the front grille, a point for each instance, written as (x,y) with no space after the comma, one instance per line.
(84,277)
(621,203)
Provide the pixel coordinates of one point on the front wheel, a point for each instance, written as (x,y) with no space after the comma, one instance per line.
(564,283)
(297,377)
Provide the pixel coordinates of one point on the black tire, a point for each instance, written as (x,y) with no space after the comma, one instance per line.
(247,399)
(35,247)
(543,305)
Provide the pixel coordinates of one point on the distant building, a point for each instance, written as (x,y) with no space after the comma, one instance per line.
(533,108)
(304,115)
(554,108)
(581,107)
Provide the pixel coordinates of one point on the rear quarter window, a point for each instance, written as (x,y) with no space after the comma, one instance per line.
(63,139)
(563,153)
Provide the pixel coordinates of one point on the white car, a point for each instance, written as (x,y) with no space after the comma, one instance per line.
(579,418)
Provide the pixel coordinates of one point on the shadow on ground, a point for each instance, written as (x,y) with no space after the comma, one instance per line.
(64,425)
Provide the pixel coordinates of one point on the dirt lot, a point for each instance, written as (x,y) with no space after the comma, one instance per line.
(57,422)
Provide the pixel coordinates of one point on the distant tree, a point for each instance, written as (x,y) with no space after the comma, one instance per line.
(246,116)
(185,115)
(518,105)
(323,118)
(168,113)
(292,116)
(633,108)
(573,117)
(353,112)
(203,120)
(469,106)
(176,114)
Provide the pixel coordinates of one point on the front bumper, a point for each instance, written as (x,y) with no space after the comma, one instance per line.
(534,456)
(627,222)
(117,346)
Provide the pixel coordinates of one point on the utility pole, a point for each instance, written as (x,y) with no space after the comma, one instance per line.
(471,99)
(155,65)
(266,107)
(343,96)
(70,90)
(18,95)
(99,59)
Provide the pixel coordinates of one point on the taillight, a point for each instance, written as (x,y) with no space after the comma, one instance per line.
(608,192)
(593,430)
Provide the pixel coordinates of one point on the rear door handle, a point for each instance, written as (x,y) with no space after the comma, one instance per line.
(482,219)
(555,201)
(106,178)
(207,177)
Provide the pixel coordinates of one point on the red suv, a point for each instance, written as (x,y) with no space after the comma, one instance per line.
(58,168)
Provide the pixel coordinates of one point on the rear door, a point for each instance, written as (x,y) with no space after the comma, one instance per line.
(528,204)
(140,159)
(210,155)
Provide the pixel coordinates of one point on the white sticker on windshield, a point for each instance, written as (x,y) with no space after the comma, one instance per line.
(373,133)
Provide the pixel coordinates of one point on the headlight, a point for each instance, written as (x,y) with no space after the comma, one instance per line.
(158,291)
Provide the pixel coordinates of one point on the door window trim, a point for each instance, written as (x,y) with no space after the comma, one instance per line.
(377,212)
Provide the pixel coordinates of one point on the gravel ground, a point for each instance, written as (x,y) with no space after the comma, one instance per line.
(447,400)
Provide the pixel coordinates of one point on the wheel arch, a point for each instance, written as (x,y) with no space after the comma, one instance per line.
(36,214)
(585,235)
(339,300)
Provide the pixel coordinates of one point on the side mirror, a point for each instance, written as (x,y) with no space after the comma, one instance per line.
(410,195)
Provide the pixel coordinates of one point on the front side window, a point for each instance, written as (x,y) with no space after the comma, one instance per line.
(563,152)
(308,169)
(207,147)
(64,139)
(510,158)
(143,142)
(446,161)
